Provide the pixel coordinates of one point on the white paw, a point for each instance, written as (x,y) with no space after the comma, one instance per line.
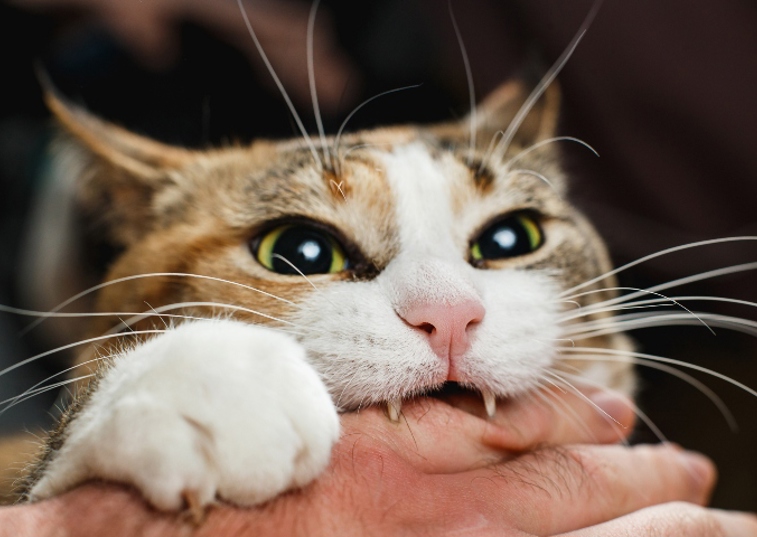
(211,408)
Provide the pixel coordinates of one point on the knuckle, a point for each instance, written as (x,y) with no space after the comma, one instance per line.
(564,472)
(597,473)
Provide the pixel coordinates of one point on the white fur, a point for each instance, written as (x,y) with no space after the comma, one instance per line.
(368,354)
(213,407)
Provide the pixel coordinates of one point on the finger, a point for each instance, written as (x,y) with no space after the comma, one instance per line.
(566,488)
(91,510)
(674,520)
(549,492)
(432,436)
(436,437)
(597,417)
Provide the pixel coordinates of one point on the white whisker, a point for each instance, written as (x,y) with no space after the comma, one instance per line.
(583,396)
(279,85)
(361,146)
(636,410)
(721,299)
(552,383)
(219,305)
(744,267)
(504,144)
(72,345)
(615,300)
(562,406)
(469,78)
(652,303)
(490,149)
(542,143)
(68,315)
(607,305)
(618,355)
(338,137)
(103,285)
(729,270)
(685,377)
(160,317)
(42,390)
(35,389)
(615,424)
(535,174)
(338,186)
(285,260)
(621,323)
(311,80)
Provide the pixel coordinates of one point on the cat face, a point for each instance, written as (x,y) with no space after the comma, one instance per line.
(401,258)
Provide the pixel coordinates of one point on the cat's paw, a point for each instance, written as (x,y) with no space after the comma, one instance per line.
(209,409)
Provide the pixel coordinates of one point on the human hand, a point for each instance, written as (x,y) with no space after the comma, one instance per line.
(440,471)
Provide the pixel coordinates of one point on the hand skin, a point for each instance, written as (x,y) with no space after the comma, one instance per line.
(441,471)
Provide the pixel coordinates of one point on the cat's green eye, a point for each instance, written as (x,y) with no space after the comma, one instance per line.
(513,236)
(299,249)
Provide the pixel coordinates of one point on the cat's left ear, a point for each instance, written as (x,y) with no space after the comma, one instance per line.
(116,174)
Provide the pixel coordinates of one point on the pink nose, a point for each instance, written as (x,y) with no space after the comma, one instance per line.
(446,325)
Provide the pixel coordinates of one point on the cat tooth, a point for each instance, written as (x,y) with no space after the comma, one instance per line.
(393,407)
(490,402)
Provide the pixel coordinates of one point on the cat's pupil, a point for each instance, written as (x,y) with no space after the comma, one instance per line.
(510,237)
(308,250)
(299,249)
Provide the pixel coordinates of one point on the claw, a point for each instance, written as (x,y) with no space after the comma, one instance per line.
(490,402)
(393,407)
(195,510)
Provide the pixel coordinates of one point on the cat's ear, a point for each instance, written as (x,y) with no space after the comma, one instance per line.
(506,104)
(116,174)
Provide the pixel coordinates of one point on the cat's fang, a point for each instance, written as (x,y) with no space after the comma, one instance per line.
(490,402)
(393,407)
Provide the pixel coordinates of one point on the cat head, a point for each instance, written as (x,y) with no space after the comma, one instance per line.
(402,258)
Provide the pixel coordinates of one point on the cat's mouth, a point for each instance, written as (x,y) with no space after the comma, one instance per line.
(479,402)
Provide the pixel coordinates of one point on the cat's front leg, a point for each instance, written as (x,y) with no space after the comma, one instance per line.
(209,409)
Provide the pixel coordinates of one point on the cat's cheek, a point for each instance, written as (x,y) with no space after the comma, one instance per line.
(517,340)
(212,409)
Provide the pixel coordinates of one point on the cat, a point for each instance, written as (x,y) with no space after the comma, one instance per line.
(276,285)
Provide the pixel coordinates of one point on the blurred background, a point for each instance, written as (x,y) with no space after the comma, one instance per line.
(665,91)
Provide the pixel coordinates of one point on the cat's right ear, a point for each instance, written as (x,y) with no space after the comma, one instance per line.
(511,104)
(117,173)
